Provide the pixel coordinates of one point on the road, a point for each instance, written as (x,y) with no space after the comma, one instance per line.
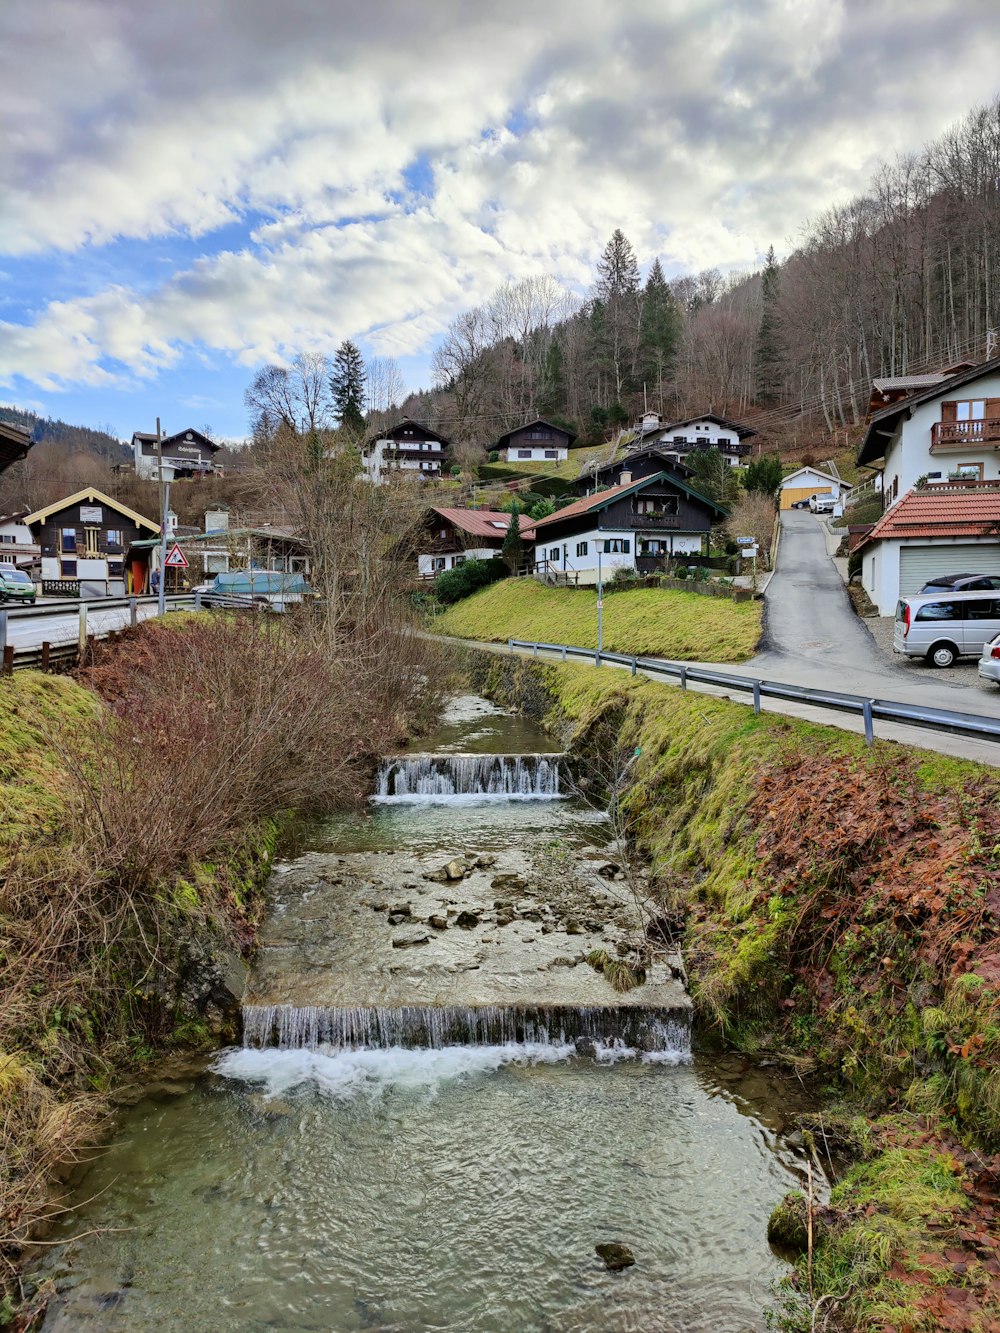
(812,635)
(62,625)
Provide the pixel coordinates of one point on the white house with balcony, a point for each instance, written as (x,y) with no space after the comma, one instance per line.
(937,449)
(410,450)
(537,441)
(17,546)
(185,454)
(708,431)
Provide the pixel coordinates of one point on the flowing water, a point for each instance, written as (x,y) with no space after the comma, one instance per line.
(431,1126)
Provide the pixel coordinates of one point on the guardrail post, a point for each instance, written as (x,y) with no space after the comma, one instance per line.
(756,697)
(197,601)
(866,709)
(83,628)
(8,660)
(133,612)
(510,645)
(597,657)
(684,678)
(564,652)
(633,664)
(3,630)
(46,650)
(534,650)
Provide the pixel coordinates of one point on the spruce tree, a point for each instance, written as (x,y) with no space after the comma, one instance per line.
(769,344)
(764,475)
(661,325)
(617,268)
(512,551)
(348,385)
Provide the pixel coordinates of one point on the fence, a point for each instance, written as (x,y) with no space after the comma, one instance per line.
(870,710)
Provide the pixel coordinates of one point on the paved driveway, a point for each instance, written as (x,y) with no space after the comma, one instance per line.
(812,635)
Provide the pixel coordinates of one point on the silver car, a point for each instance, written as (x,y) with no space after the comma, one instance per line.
(939,628)
(989,663)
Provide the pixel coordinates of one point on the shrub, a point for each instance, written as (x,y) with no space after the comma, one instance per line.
(681,572)
(465,579)
(494,455)
(623,578)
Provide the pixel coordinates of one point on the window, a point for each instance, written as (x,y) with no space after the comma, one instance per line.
(554,553)
(116,568)
(702,439)
(437,563)
(967,472)
(617,546)
(986,609)
(973,410)
(680,439)
(938,611)
(69,539)
(5,538)
(581,548)
(551,453)
(539,434)
(524,453)
(114,538)
(67,569)
(91,542)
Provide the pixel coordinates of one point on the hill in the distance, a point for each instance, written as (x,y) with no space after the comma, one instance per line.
(53,431)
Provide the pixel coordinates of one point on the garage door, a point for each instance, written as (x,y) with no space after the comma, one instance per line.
(793,493)
(919,564)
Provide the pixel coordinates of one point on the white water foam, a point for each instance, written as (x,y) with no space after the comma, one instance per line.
(343,1074)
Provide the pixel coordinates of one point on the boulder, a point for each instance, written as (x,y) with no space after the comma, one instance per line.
(508,883)
(407,939)
(574,928)
(616,1256)
(467,920)
(504,918)
(438,922)
(453,870)
(609,870)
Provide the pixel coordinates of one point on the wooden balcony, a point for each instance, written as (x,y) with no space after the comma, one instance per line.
(947,435)
(655,520)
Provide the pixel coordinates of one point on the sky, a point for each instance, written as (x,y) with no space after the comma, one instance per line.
(191,190)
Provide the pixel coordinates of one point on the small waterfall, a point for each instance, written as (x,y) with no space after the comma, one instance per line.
(433,776)
(435,1026)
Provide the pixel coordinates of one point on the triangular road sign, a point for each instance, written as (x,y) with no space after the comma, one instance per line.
(175,558)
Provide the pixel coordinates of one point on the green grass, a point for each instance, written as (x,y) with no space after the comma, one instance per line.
(653,621)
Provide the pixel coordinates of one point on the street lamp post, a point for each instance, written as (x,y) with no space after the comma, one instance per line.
(600,604)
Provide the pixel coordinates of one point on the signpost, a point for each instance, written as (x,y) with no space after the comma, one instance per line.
(175,558)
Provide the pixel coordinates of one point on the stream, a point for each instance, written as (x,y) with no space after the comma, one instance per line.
(440,1108)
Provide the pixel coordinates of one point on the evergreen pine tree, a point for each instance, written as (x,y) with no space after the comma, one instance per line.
(764,475)
(552,389)
(661,326)
(769,349)
(617,268)
(348,385)
(512,551)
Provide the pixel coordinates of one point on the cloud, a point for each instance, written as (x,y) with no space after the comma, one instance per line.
(387,165)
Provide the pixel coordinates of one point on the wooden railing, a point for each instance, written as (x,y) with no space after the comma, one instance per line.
(944,433)
(655,520)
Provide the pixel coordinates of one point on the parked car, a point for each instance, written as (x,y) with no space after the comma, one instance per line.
(799,504)
(260,586)
(940,628)
(962,583)
(16,586)
(989,663)
(822,503)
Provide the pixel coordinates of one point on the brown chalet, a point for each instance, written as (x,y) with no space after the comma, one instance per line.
(450,536)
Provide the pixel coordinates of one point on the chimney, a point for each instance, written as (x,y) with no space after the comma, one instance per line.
(216,520)
(625,479)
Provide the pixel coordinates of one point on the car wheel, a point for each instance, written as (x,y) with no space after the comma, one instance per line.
(942,655)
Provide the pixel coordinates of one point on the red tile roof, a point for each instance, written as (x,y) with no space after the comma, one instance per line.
(941,511)
(597,501)
(483,522)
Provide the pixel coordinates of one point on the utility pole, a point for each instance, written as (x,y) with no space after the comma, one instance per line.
(161,604)
(600,602)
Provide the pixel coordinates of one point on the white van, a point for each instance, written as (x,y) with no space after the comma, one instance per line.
(940,627)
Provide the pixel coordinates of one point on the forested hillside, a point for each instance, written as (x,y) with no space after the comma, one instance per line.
(901,278)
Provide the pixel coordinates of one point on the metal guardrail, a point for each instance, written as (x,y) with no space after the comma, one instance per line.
(47,653)
(887,710)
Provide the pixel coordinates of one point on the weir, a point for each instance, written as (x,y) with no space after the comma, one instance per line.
(316,1028)
(428,776)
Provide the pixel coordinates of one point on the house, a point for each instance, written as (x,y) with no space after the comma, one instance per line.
(939,441)
(186,454)
(935,529)
(85,543)
(891,388)
(635,464)
(938,433)
(639,525)
(702,432)
(17,546)
(807,481)
(410,449)
(223,548)
(15,442)
(536,442)
(449,536)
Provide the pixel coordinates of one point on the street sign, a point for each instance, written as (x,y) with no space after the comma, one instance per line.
(749,552)
(175,558)
(744,541)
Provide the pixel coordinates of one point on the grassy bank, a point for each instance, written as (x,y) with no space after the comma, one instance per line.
(838,907)
(140,807)
(654,621)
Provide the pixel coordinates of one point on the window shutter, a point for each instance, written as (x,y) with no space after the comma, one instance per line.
(948,411)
